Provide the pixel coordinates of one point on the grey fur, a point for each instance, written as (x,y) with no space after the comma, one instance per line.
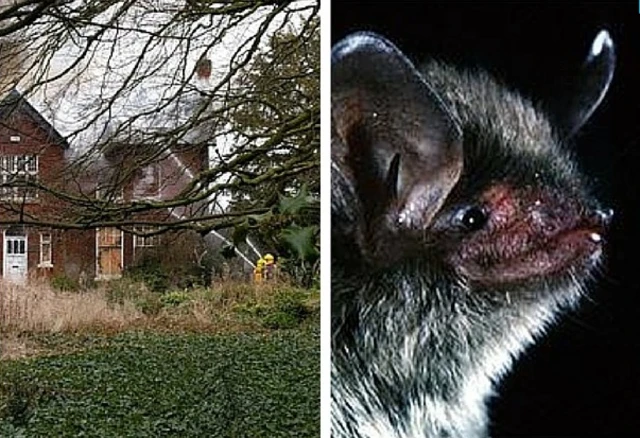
(416,347)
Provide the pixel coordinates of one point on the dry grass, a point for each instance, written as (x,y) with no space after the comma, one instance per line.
(35,310)
(38,308)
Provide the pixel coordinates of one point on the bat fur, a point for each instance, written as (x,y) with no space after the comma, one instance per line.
(427,315)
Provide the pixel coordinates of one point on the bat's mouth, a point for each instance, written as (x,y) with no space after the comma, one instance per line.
(569,249)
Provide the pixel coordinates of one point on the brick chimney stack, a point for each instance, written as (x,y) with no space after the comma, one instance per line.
(203,68)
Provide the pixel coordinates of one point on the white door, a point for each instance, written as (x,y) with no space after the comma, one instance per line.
(15,258)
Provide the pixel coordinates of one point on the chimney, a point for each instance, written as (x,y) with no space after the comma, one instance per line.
(203,68)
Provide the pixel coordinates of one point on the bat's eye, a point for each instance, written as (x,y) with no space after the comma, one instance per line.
(472,218)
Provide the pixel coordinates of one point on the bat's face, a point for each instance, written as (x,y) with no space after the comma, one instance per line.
(518,220)
(456,170)
(460,227)
(514,233)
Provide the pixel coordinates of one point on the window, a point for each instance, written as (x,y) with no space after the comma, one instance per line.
(17,173)
(148,184)
(16,246)
(109,261)
(110,236)
(146,241)
(45,250)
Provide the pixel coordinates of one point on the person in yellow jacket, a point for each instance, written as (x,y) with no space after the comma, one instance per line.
(258,270)
(270,268)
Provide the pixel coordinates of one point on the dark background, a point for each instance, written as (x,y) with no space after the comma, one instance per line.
(583,378)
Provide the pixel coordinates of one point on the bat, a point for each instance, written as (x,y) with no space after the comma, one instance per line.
(461,229)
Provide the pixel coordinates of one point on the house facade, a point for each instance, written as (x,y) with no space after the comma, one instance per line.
(32,151)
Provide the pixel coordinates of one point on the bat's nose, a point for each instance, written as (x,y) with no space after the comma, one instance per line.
(603,216)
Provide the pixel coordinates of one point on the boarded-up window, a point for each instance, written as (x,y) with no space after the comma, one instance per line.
(109,253)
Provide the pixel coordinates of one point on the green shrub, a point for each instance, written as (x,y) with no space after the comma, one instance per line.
(252,309)
(149,270)
(118,291)
(63,283)
(280,320)
(21,398)
(175,298)
(288,310)
(149,304)
(291,301)
(18,404)
(127,289)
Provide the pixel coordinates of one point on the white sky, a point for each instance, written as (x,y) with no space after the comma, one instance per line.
(151,70)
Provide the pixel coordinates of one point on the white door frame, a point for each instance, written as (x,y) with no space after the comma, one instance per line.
(6,269)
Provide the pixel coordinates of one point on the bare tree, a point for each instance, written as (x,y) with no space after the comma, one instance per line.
(220,97)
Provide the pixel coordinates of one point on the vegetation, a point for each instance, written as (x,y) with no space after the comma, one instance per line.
(149,385)
(234,360)
(126,304)
(228,93)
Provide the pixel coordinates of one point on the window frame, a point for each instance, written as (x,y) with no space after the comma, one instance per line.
(13,168)
(46,263)
(145,241)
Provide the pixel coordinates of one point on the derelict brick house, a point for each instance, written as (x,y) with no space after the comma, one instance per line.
(31,149)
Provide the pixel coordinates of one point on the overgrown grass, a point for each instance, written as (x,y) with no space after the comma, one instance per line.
(235,360)
(149,385)
(124,305)
(39,308)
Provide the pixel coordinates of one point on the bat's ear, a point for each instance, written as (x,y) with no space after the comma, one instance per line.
(589,88)
(396,150)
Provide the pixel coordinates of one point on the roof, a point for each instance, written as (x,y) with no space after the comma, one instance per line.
(15,102)
(131,74)
(135,83)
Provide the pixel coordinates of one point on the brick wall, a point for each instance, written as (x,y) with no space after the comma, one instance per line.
(73,251)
